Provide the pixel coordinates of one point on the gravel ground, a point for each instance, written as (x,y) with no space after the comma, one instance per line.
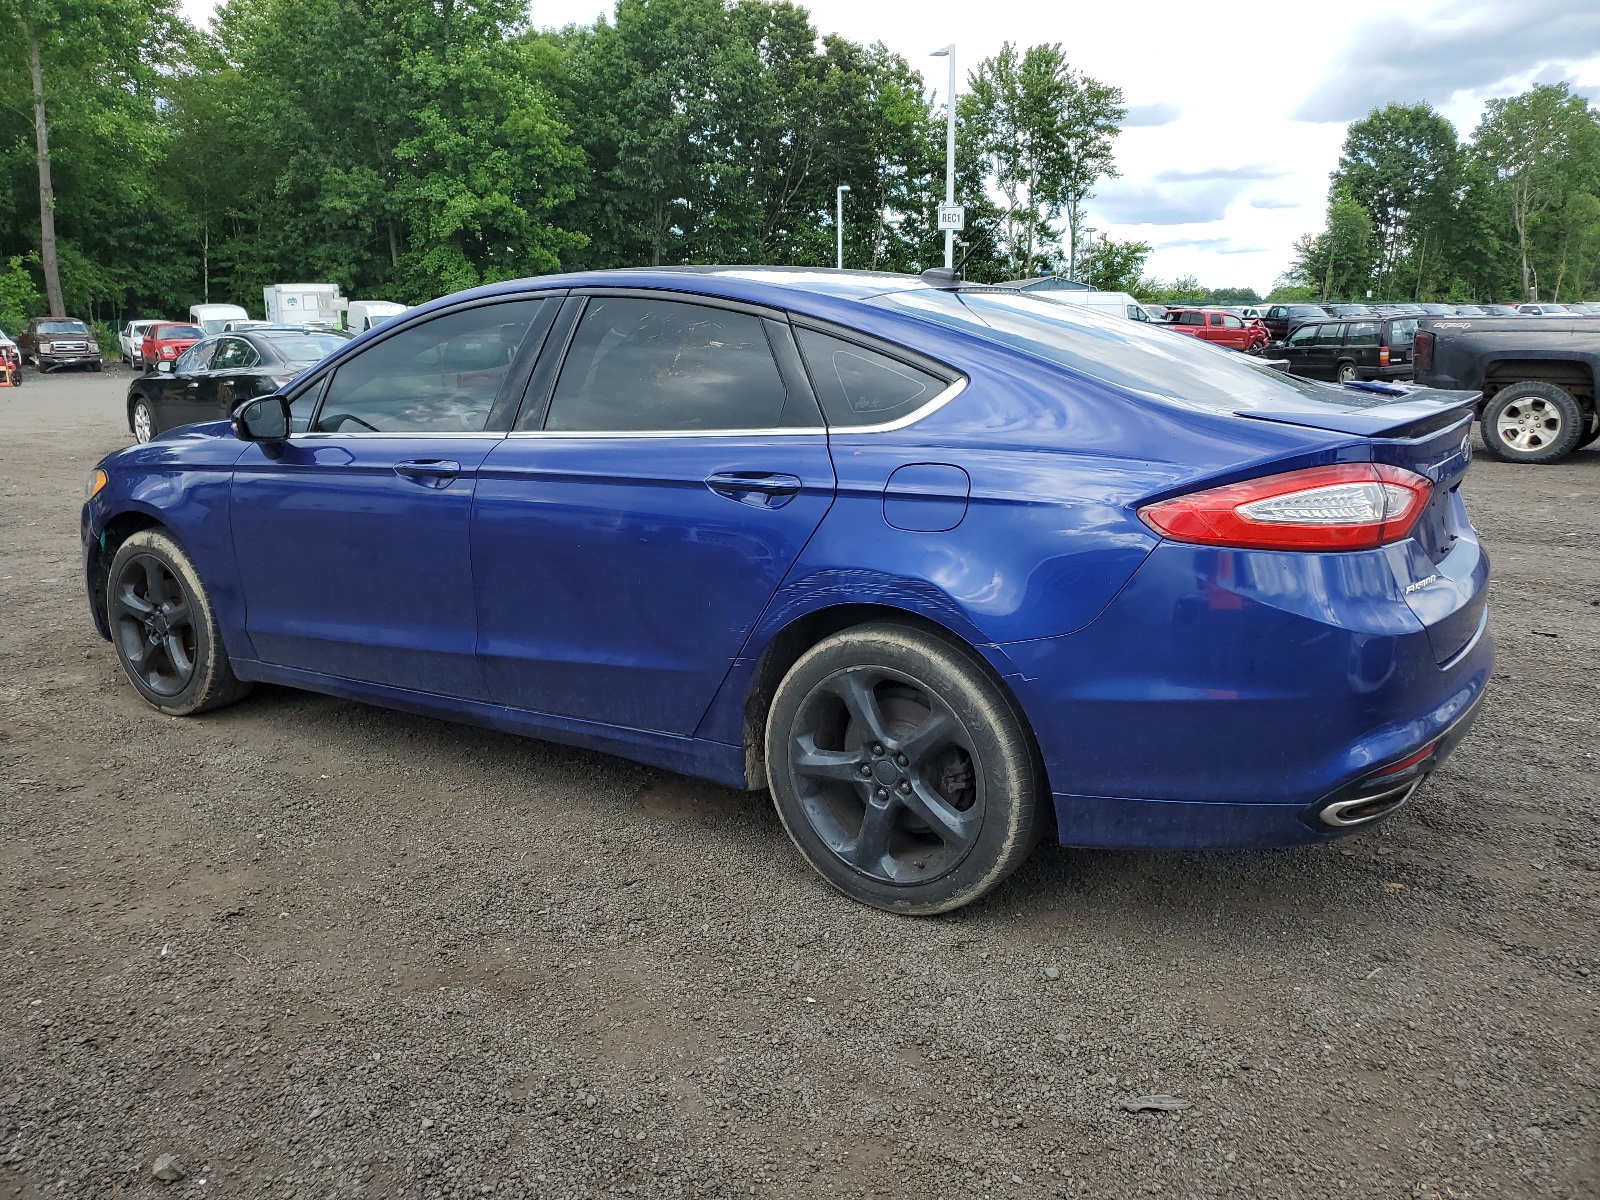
(313,948)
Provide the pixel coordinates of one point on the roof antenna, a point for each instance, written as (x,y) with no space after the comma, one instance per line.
(949,278)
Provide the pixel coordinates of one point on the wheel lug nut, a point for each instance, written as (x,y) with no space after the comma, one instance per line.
(902,760)
(877,747)
(905,786)
(883,793)
(866,770)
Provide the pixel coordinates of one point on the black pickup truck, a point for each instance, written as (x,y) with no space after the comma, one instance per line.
(1537,374)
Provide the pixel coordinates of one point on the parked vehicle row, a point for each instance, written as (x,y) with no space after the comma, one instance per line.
(215,375)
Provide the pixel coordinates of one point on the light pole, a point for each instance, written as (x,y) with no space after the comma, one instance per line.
(949,150)
(838,221)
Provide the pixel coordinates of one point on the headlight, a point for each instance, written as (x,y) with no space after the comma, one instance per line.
(97,480)
(46,347)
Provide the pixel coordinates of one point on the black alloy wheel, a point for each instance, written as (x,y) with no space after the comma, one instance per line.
(887,774)
(164,628)
(901,770)
(153,622)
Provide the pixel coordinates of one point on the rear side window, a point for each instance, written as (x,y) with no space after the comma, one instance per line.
(645,365)
(1191,318)
(1362,333)
(441,376)
(1330,335)
(858,386)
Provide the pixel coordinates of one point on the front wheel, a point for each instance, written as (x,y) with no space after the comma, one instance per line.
(165,629)
(900,770)
(1532,422)
(142,421)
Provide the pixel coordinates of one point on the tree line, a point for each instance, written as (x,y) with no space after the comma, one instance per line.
(1414,213)
(408,148)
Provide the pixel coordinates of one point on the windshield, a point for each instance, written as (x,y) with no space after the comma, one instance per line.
(64,327)
(176,332)
(305,347)
(1143,358)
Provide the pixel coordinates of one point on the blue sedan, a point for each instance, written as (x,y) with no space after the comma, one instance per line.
(950,569)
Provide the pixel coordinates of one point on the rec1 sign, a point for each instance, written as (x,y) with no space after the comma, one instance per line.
(952,216)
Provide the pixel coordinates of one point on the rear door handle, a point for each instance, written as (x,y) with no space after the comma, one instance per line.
(756,488)
(429,472)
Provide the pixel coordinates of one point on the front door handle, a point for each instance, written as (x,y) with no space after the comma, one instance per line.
(756,488)
(429,472)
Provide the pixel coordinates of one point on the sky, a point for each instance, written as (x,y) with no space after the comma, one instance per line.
(1236,112)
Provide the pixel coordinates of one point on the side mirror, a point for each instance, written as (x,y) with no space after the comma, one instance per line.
(164,367)
(262,420)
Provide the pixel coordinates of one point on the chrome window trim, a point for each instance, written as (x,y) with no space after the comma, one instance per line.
(911,418)
(327,434)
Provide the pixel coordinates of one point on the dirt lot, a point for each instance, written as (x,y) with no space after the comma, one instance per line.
(319,949)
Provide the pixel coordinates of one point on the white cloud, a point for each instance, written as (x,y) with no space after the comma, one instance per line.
(1149,116)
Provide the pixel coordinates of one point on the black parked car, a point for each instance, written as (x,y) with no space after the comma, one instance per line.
(213,377)
(1348,351)
(1282,319)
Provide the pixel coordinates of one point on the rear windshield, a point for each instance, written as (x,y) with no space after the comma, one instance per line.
(63,327)
(304,347)
(176,332)
(1129,354)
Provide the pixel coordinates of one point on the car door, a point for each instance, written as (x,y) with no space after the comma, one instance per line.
(1234,334)
(1298,349)
(233,376)
(628,535)
(1324,349)
(1399,336)
(176,395)
(352,537)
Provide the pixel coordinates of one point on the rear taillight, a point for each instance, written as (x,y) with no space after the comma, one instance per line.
(1422,352)
(1383,356)
(1353,506)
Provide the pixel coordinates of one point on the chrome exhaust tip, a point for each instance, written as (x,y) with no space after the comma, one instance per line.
(1360,810)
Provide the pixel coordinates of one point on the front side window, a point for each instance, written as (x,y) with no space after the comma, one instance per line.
(1362,333)
(440,376)
(858,386)
(234,354)
(1304,335)
(1229,321)
(647,365)
(196,358)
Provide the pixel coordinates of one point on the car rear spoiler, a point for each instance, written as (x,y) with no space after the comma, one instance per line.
(1415,412)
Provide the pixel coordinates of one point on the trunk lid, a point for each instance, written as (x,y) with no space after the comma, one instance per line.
(1441,568)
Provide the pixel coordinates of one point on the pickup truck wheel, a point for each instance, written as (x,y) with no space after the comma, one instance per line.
(1532,422)
(1348,373)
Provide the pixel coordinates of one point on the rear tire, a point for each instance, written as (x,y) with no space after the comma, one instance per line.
(165,629)
(1347,373)
(901,770)
(1532,422)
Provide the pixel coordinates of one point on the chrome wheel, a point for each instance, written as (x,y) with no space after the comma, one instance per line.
(1529,423)
(1348,373)
(144,426)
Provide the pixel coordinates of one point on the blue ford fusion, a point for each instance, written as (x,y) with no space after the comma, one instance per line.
(951,569)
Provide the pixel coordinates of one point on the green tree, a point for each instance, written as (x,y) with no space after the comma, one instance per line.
(1338,262)
(18,293)
(1114,266)
(1542,146)
(1044,133)
(1400,165)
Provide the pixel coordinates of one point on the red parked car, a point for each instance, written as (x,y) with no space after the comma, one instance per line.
(1220,328)
(164,342)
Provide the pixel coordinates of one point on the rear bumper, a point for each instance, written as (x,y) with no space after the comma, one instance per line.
(1225,697)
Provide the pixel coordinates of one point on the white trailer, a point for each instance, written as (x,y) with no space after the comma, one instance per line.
(303,303)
